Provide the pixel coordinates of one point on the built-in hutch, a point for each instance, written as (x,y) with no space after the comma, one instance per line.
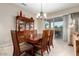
(24,23)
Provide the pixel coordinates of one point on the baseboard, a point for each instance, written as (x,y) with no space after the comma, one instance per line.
(5,45)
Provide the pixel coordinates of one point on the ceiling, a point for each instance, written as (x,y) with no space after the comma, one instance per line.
(48,7)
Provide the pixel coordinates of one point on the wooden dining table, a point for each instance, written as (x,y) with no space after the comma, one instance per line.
(34,39)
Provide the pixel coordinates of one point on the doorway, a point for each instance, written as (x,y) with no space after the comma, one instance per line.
(56,24)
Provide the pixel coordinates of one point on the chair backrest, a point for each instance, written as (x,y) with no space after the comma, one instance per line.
(44,38)
(51,33)
(20,36)
(15,42)
(51,36)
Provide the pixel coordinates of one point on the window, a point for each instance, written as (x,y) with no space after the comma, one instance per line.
(58,25)
(52,26)
(46,24)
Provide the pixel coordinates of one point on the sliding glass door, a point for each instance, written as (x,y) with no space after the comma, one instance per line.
(58,26)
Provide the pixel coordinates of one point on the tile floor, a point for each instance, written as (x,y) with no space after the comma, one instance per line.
(61,48)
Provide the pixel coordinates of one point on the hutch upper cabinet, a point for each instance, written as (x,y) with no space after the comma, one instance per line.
(24,23)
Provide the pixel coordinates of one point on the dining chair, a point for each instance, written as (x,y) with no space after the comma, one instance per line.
(51,37)
(20,48)
(42,44)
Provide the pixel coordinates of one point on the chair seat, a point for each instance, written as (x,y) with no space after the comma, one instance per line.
(25,46)
(39,46)
(21,37)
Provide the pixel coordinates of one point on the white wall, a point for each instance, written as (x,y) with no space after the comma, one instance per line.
(8,13)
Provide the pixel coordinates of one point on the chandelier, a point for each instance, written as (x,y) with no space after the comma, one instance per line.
(41,15)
